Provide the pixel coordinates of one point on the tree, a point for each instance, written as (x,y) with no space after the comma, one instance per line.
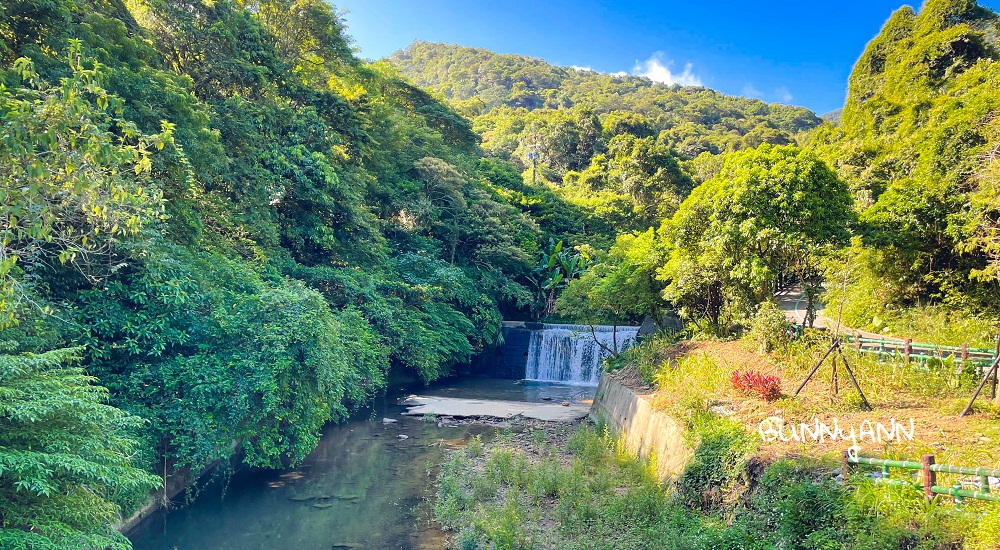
(75,174)
(620,288)
(557,267)
(64,456)
(914,143)
(443,202)
(308,34)
(769,210)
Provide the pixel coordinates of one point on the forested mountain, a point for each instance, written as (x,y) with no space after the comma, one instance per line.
(609,145)
(916,142)
(218,213)
(696,119)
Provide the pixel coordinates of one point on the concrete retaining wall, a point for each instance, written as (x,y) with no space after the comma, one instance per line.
(510,360)
(644,428)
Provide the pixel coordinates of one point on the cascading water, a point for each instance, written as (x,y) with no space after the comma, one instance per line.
(570,354)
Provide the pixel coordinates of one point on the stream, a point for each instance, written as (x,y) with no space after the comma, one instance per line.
(362,487)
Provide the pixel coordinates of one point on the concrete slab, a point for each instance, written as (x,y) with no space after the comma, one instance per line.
(419,405)
(557,413)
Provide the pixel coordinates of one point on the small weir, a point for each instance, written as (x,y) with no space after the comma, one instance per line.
(574,354)
(369,483)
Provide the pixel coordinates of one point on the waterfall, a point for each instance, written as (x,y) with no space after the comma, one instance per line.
(569,354)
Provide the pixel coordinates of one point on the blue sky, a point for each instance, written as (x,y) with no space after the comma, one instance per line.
(796,52)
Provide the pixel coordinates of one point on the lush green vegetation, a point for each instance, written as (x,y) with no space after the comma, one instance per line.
(523,493)
(218,213)
(917,144)
(611,146)
(236,227)
(914,156)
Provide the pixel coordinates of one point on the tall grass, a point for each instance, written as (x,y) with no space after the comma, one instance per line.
(689,383)
(942,326)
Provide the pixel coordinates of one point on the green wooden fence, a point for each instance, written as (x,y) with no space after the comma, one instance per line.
(907,350)
(929,470)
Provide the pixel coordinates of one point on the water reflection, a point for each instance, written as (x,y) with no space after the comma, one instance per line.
(363,486)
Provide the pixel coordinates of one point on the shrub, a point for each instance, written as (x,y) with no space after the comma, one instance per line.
(769,328)
(750,382)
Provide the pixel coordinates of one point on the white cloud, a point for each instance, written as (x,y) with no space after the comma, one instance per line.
(783,95)
(581,69)
(750,91)
(619,73)
(658,70)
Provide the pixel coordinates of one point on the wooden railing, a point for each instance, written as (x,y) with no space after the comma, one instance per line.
(929,470)
(907,350)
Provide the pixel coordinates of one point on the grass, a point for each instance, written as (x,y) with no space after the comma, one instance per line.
(529,493)
(695,376)
(534,490)
(938,325)
(932,325)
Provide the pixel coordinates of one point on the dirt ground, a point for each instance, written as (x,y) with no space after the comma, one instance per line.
(936,429)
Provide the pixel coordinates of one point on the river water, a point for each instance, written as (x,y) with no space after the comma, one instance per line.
(362,487)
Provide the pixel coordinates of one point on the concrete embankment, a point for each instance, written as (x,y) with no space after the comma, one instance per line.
(646,430)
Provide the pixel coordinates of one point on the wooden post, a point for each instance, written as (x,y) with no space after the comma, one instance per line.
(996,353)
(907,350)
(993,389)
(850,373)
(965,353)
(833,376)
(986,378)
(845,464)
(833,346)
(930,477)
(857,342)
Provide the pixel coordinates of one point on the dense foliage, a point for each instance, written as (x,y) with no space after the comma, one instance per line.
(221,215)
(238,227)
(768,211)
(917,143)
(519,493)
(612,146)
(64,457)
(695,119)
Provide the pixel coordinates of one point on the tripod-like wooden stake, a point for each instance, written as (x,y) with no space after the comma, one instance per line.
(987,374)
(835,346)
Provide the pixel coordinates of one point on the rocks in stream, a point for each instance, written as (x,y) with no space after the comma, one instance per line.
(403,436)
(389,420)
(323,499)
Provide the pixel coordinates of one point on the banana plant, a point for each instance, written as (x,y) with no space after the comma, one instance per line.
(556,268)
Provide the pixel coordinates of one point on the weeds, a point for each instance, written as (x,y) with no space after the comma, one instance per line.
(606,498)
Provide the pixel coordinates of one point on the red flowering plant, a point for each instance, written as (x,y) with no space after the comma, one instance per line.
(751,382)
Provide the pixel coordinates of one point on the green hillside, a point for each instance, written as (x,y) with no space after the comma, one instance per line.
(610,145)
(917,143)
(220,230)
(697,119)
